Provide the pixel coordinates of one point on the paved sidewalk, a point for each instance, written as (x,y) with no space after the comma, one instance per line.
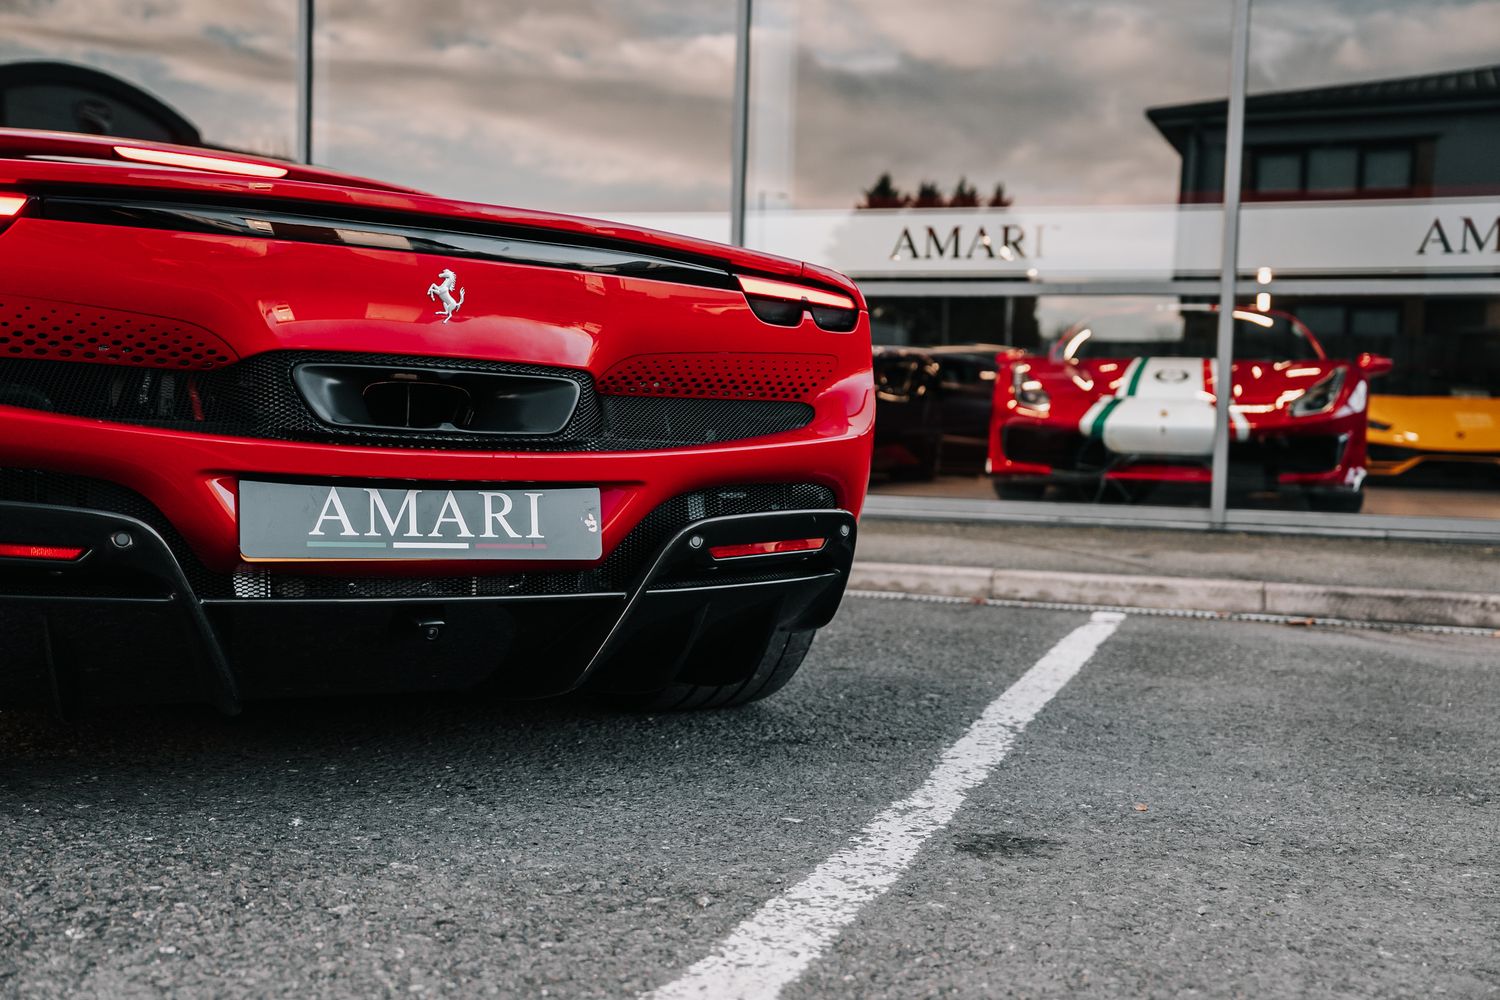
(1436,583)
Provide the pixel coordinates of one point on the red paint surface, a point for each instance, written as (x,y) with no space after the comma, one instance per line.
(253,295)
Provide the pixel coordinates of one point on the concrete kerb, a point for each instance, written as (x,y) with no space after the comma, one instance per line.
(1376,604)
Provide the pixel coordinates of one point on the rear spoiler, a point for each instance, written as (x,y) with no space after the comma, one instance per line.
(68,147)
(226,178)
(774,301)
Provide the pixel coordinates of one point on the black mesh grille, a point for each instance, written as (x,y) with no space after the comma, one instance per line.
(614,574)
(636,423)
(257,398)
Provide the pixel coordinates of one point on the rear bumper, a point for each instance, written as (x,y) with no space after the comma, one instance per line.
(125,623)
(193,478)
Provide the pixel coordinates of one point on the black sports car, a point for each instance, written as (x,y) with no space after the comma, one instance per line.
(932,408)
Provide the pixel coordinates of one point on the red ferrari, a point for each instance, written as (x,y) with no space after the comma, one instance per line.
(1125,401)
(269,430)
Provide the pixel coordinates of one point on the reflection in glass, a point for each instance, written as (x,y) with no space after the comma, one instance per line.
(1394,106)
(981,140)
(1186,331)
(1388,169)
(1296,44)
(1122,408)
(1045,99)
(932,411)
(174,70)
(585,106)
(1332,169)
(1278,172)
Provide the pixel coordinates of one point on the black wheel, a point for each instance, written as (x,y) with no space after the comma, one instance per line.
(1007,489)
(782,656)
(1337,501)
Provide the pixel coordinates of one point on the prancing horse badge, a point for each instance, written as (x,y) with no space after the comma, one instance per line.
(442,290)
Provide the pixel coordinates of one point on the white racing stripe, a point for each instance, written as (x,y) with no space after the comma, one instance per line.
(1162,409)
(779,941)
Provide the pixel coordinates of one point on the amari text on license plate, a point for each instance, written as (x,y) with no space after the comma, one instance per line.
(294,521)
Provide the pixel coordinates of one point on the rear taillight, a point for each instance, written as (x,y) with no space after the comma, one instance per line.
(51,553)
(11,205)
(782,303)
(766,548)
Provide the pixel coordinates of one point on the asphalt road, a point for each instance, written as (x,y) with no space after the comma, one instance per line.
(1207,809)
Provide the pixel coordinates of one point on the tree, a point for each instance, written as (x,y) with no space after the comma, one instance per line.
(965,195)
(885,195)
(929,195)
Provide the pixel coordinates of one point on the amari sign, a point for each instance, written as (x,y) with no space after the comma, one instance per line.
(1469,238)
(958,242)
(1149,242)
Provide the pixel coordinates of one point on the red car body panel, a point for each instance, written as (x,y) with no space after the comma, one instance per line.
(1264,391)
(372,301)
(212,299)
(335,190)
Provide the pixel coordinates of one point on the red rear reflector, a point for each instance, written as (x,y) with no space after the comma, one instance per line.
(766,548)
(57,553)
(793,293)
(192,161)
(10,204)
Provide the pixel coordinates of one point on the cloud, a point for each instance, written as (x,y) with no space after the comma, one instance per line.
(227,66)
(566,105)
(1297,44)
(1049,98)
(560,104)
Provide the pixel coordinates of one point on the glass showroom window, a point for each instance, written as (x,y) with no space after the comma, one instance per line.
(178,71)
(997,178)
(1371,223)
(600,107)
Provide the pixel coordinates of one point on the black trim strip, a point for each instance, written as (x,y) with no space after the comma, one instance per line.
(297,226)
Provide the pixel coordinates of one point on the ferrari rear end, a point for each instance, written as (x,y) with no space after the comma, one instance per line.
(267,430)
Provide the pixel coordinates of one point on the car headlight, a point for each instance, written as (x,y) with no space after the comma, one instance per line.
(1028,391)
(1321,396)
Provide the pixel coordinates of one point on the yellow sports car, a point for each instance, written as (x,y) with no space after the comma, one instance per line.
(1406,431)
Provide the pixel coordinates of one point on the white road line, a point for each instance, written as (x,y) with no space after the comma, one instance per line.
(781,939)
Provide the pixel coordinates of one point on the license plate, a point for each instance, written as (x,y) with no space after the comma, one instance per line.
(290,521)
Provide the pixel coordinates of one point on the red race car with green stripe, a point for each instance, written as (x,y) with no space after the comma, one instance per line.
(1125,401)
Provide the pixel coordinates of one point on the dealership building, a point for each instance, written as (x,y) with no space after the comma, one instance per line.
(992,174)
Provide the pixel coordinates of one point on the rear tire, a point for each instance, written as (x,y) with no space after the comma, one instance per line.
(784,654)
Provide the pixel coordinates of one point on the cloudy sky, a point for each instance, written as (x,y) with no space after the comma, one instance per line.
(624,104)
(228,66)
